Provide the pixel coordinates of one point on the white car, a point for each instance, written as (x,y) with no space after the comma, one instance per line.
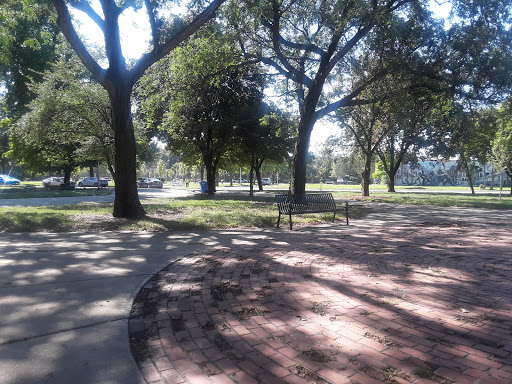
(57,182)
(92,182)
(266,181)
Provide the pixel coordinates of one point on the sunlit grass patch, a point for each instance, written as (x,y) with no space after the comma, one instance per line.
(465,200)
(220,212)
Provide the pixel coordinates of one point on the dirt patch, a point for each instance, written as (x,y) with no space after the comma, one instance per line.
(247,313)
(318,355)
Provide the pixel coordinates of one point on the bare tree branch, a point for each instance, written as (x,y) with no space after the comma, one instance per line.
(303,47)
(348,100)
(85,7)
(349,45)
(276,38)
(66,26)
(150,58)
(152,22)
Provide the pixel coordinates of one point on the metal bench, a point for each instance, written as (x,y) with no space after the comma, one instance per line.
(308,203)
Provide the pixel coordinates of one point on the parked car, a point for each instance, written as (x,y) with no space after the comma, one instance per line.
(266,181)
(327,181)
(143,183)
(92,182)
(8,180)
(155,183)
(57,182)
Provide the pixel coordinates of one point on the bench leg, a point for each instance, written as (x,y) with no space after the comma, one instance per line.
(278,219)
(346,210)
(334,217)
(290,222)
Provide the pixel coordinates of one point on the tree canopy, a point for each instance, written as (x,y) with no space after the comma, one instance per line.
(329,52)
(69,122)
(201,96)
(28,39)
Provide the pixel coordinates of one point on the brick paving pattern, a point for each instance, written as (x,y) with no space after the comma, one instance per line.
(385,305)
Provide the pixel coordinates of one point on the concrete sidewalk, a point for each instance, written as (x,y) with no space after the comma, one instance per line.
(65,298)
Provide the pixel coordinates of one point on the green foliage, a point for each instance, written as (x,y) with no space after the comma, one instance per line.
(502,142)
(69,122)
(329,54)
(201,96)
(28,38)
(161,169)
(380,173)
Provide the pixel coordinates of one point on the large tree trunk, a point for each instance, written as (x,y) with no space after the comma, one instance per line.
(468,173)
(210,169)
(300,154)
(210,179)
(391,182)
(126,203)
(365,184)
(67,174)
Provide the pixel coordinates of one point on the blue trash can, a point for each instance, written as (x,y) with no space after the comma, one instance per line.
(204,186)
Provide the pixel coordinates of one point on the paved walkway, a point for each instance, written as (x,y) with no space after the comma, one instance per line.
(150,193)
(389,299)
(388,305)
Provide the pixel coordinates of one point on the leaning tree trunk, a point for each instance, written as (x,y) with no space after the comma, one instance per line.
(392,172)
(257,169)
(468,172)
(251,179)
(126,203)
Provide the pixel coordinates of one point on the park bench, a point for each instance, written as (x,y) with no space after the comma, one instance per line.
(308,203)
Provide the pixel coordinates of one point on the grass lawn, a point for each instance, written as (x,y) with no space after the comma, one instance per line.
(233,210)
(194,213)
(481,200)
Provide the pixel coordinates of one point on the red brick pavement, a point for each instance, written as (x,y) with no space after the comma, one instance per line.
(392,305)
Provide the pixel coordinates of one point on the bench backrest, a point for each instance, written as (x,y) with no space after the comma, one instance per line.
(311,202)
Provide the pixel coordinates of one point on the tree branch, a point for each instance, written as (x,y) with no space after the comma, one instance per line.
(150,58)
(85,7)
(350,44)
(300,77)
(305,80)
(348,101)
(66,26)
(303,47)
(127,4)
(152,22)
